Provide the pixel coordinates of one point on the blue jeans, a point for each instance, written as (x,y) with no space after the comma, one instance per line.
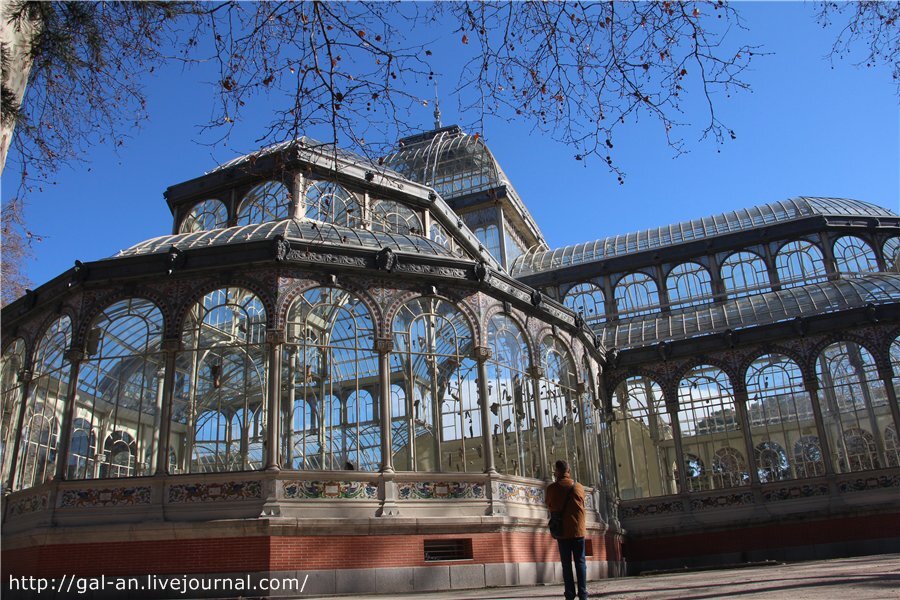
(573,549)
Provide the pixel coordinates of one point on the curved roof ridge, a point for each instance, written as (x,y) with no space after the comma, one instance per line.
(536,260)
(817,298)
(308,230)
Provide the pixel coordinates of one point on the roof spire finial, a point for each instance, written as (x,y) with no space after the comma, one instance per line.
(437,108)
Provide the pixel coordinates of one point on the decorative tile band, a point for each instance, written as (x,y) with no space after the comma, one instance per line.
(92,498)
(795,492)
(724,501)
(349,490)
(526,494)
(649,509)
(439,490)
(869,483)
(225,491)
(29,504)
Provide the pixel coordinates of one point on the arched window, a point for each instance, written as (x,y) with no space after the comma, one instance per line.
(12,361)
(562,415)
(854,400)
(587,300)
(439,234)
(432,358)
(709,422)
(779,411)
(220,374)
(45,406)
(269,201)
(853,255)
(645,443)
(771,462)
(689,284)
(729,468)
(330,357)
(694,472)
(808,458)
(892,446)
(389,216)
(120,450)
(514,425)
(119,383)
(744,274)
(636,294)
(895,365)
(891,253)
(798,263)
(82,450)
(329,202)
(205,216)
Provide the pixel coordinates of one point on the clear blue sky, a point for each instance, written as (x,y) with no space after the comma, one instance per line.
(806,129)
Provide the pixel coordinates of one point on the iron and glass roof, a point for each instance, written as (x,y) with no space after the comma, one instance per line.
(540,260)
(306,230)
(821,298)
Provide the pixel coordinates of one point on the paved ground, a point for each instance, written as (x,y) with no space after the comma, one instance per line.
(862,578)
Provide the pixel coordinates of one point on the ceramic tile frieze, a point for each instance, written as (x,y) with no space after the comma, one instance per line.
(225,491)
(103,497)
(29,504)
(795,492)
(646,509)
(348,490)
(526,494)
(862,484)
(439,490)
(723,501)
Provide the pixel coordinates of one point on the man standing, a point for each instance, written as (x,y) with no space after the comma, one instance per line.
(567,496)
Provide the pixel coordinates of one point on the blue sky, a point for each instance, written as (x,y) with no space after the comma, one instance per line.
(805,129)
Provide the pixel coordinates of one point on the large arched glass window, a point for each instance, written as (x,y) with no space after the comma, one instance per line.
(798,263)
(891,252)
(855,408)
(45,406)
(710,429)
(120,383)
(219,409)
(689,284)
(205,216)
(853,255)
(645,443)
(331,373)
(329,202)
(780,414)
(510,401)
(269,201)
(587,300)
(636,294)
(432,361)
(562,418)
(744,274)
(12,393)
(389,216)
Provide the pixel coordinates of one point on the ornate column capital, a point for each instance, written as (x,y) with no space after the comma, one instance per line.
(535,372)
(74,356)
(383,345)
(275,336)
(811,384)
(24,376)
(171,345)
(481,353)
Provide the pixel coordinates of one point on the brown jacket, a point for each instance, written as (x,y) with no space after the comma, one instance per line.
(573,517)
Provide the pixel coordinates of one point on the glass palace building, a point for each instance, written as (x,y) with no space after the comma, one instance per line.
(360,374)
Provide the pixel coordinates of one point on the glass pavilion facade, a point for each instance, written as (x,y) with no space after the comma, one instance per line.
(327,350)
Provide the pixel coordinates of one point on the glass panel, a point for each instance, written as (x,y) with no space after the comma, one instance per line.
(205,216)
(218,415)
(11,398)
(636,294)
(744,274)
(440,430)
(855,408)
(710,431)
(329,202)
(330,370)
(511,401)
(120,391)
(891,253)
(562,418)
(269,201)
(645,442)
(392,217)
(799,263)
(781,418)
(853,255)
(44,409)
(587,300)
(689,284)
